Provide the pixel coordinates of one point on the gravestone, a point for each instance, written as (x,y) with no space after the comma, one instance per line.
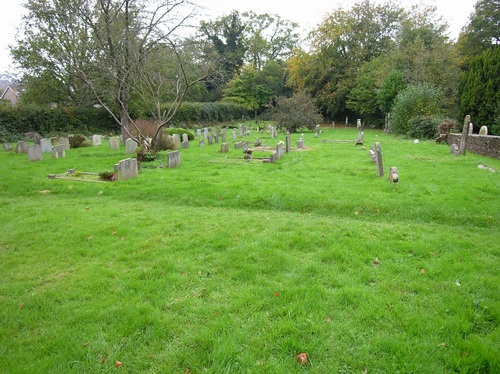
(371,153)
(223,137)
(288,142)
(198,133)
(205,132)
(46,145)
(378,159)
(185,145)
(185,137)
(224,148)
(483,130)
(58,151)
(130,146)
(126,169)
(359,125)
(64,141)
(216,138)
(273,157)
(361,138)
(318,129)
(454,149)
(202,142)
(209,139)
(114,143)
(279,150)
(300,143)
(35,152)
(6,147)
(96,140)
(233,135)
(238,145)
(173,159)
(393,174)
(471,128)
(465,134)
(54,140)
(176,138)
(22,147)
(241,130)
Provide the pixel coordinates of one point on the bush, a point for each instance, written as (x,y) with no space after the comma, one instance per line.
(296,112)
(78,141)
(176,130)
(414,102)
(166,143)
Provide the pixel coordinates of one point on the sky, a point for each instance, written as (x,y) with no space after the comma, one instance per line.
(308,14)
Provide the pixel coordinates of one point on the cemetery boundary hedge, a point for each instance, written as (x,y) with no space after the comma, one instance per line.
(16,121)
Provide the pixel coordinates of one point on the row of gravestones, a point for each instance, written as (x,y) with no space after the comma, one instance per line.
(56,146)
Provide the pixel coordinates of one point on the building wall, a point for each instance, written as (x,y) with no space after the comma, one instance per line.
(486,145)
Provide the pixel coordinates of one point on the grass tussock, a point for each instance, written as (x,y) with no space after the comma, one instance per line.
(227,266)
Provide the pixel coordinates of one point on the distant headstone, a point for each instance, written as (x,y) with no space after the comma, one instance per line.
(279,150)
(216,138)
(35,152)
(378,159)
(224,147)
(233,135)
(454,149)
(185,137)
(300,143)
(288,142)
(173,159)
(471,128)
(58,151)
(483,130)
(371,153)
(238,145)
(130,146)
(241,130)
(6,147)
(202,143)
(22,147)
(360,139)
(205,132)
(46,145)
(64,141)
(126,169)
(318,129)
(210,140)
(96,140)
(185,145)
(223,137)
(176,138)
(465,133)
(114,143)
(393,174)
(359,126)
(198,133)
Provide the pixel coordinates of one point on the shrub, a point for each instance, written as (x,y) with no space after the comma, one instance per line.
(296,112)
(179,131)
(78,141)
(415,101)
(166,143)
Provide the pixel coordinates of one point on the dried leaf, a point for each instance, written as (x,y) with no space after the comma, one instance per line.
(276,294)
(20,306)
(118,364)
(442,345)
(101,360)
(85,344)
(422,271)
(302,358)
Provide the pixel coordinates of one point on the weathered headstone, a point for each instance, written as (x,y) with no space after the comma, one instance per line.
(300,143)
(216,138)
(130,146)
(361,138)
(205,132)
(471,128)
(96,140)
(273,156)
(35,152)
(233,135)
(483,130)
(238,145)
(114,143)
(198,133)
(6,147)
(224,147)
(173,159)
(185,137)
(241,130)
(378,158)
(454,149)
(210,140)
(58,151)
(176,138)
(126,169)
(393,174)
(202,142)
(359,126)
(288,142)
(64,141)
(22,147)
(46,145)
(185,145)
(223,136)
(279,150)
(465,134)
(318,129)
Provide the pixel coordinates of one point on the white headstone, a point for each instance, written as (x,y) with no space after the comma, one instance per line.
(46,145)
(114,143)
(483,130)
(130,146)
(96,140)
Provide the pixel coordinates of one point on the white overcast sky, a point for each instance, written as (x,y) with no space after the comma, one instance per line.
(308,13)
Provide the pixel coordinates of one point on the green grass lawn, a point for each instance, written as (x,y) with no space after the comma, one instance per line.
(228,266)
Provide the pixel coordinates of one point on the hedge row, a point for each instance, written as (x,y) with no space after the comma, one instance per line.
(14,122)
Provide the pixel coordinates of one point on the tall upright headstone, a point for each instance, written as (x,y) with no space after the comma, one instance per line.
(64,141)
(126,169)
(35,152)
(378,159)
(96,140)
(483,130)
(233,135)
(114,143)
(224,147)
(288,142)
(465,134)
(173,159)
(46,145)
(130,146)
(22,147)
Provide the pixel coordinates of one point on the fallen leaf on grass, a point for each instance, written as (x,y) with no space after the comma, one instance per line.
(422,271)
(276,294)
(101,360)
(302,358)
(118,364)
(85,344)
(442,345)
(20,306)
(44,192)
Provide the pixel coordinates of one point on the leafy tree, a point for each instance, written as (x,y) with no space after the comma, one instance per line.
(296,112)
(414,101)
(391,86)
(123,50)
(480,90)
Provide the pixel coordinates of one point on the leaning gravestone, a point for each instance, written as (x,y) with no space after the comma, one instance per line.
(483,130)
(22,147)
(130,146)
(96,140)
(173,159)
(114,143)
(126,169)
(35,153)
(46,145)
(58,151)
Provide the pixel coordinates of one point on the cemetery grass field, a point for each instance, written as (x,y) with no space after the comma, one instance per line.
(228,266)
